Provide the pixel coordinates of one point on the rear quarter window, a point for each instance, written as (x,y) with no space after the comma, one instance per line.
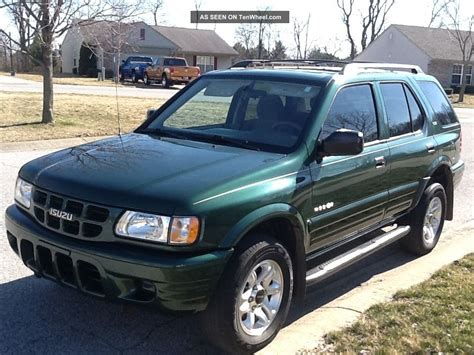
(443,111)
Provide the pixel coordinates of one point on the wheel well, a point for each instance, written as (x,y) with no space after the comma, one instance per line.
(292,238)
(444,176)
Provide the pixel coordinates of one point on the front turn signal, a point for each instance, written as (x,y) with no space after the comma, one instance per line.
(184,230)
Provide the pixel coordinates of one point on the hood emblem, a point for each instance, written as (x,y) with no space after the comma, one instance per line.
(60,214)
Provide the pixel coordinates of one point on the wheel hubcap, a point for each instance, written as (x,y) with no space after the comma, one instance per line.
(432,219)
(260,297)
(163,81)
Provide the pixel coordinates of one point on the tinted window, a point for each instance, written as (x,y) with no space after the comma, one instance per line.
(175,62)
(444,114)
(396,109)
(415,111)
(353,108)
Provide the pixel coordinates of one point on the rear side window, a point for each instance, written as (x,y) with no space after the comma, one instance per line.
(353,108)
(415,110)
(175,62)
(444,113)
(396,108)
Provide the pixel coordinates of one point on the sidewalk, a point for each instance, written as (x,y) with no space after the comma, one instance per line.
(47,144)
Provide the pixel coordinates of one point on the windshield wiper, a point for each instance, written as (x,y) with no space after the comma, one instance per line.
(164,133)
(224,140)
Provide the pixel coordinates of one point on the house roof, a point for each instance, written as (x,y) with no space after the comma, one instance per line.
(196,41)
(437,43)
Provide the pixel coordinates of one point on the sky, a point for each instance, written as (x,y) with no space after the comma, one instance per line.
(326,28)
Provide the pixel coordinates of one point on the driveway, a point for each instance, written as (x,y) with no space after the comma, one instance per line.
(40,316)
(9,83)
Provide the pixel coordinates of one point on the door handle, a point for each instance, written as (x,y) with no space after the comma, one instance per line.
(379,162)
(430,147)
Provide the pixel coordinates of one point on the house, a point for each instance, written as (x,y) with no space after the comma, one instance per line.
(435,50)
(109,42)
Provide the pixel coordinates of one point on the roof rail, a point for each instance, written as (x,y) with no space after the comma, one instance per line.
(353,68)
(297,63)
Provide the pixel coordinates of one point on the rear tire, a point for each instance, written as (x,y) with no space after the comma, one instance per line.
(253,297)
(426,221)
(165,82)
(134,78)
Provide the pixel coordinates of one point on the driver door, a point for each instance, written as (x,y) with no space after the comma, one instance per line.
(349,193)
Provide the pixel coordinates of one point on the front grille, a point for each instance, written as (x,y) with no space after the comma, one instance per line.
(58,266)
(87,219)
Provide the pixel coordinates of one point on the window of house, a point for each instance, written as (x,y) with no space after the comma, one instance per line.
(396,108)
(205,63)
(444,113)
(142,34)
(75,62)
(469,75)
(457,73)
(353,108)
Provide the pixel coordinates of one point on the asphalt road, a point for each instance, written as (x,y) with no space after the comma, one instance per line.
(42,317)
(8,83)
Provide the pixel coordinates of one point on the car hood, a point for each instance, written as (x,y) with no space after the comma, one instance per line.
(144,172)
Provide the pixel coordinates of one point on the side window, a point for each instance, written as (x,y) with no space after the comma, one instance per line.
(396,108)
(353,108)
(444,113)
(415,111)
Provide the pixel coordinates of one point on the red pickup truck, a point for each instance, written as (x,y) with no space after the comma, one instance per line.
(169,71)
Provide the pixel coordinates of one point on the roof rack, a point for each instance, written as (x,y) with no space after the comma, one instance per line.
(357,67)
(340,66)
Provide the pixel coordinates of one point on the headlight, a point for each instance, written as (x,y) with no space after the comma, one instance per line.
(162,229)
(143,226)
(23,193)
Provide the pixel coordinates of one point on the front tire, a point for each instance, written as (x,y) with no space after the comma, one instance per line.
(253,297)
(426,221)
(146,80)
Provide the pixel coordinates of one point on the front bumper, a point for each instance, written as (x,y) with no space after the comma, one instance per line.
(171,281)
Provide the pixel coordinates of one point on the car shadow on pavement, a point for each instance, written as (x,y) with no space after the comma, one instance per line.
(41,316)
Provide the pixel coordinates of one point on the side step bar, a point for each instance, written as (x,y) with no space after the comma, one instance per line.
(332,266)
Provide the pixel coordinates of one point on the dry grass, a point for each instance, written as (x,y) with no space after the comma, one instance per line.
(75,115)
(69,79)
(467,103)
(435,316)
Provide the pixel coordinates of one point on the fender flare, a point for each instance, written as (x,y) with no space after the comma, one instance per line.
(268,212)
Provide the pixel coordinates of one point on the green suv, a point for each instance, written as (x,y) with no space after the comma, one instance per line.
(221,199)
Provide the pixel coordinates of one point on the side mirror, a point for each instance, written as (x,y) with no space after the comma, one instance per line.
(342,142)
(150,112)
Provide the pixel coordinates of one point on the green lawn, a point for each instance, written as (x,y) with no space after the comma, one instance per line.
(435,316)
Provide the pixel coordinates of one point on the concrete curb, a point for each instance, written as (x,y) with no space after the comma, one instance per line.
(47,144)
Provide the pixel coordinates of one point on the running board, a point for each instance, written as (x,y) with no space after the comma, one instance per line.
(332,266)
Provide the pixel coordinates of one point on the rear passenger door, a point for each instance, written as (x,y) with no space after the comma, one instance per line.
(412,149)
(350,192)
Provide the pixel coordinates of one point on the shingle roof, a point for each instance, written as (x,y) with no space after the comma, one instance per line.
(437,43)
(195,41)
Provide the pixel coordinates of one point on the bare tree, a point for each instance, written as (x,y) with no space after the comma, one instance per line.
(155,6)
(438,10)
(373,20)
(245,34)
(25,25)
(50,19)
(197,8)
(346,8)
(464,39)
(300,36)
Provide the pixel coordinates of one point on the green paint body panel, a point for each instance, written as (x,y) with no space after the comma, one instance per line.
(232,190)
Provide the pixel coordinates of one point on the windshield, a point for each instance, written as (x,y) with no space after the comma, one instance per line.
(262,114)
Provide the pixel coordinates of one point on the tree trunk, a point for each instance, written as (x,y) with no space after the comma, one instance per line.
(47,85)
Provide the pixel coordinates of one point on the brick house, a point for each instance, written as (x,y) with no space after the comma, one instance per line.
(435,50)
(203,48)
